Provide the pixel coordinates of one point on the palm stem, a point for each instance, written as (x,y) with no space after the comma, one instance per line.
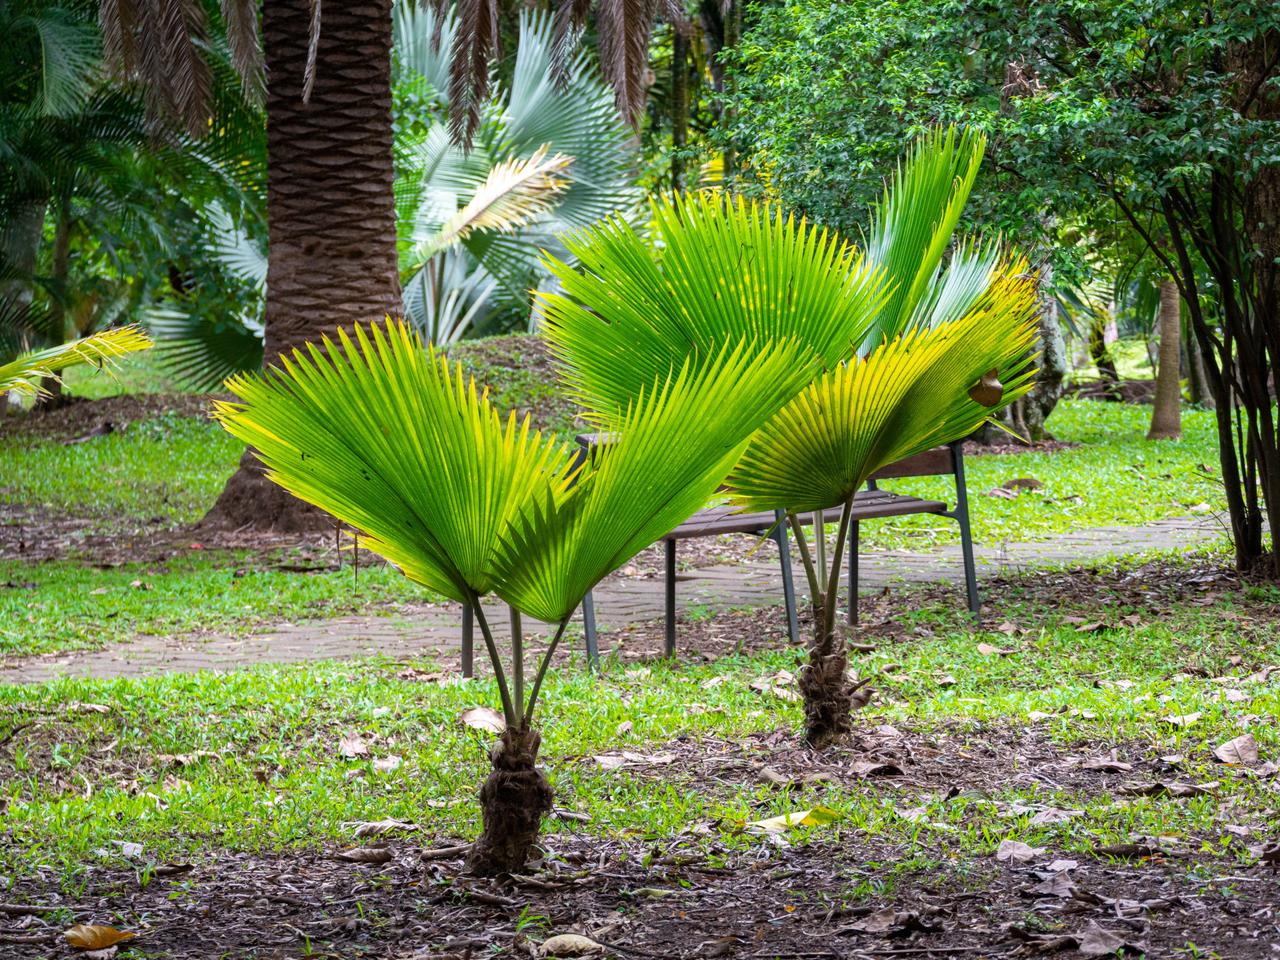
(815,588)
(517,658)
(833,582)
(508,711)
(542,671)
(820,540)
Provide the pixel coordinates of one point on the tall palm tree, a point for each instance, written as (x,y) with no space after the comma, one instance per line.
(330,208)
(388,437)
(916,347)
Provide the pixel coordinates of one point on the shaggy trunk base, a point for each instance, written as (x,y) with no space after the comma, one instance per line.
(251,501)
(824,683)
(513,802)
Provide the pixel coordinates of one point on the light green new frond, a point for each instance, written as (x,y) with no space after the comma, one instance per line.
(908,395)
(673,449)
(912,226)
(23,374)
(515,192)
(713,271)
(388,438)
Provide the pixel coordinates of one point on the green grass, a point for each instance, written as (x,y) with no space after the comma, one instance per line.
(80,782)
(66,605)
(135,373)
(174,467)
(1115,477)
(170,467)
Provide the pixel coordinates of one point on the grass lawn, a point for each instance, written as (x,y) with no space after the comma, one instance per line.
(991,743)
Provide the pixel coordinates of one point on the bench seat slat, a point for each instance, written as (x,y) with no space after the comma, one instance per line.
(868,505)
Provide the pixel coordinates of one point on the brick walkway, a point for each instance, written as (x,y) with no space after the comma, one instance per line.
(619,602)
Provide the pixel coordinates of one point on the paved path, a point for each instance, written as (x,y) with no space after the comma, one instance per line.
(619,602)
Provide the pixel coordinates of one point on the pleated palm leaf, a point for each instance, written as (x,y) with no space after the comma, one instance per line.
(26,373)
(711,271)
(389,438)
(916,349)
(925,387)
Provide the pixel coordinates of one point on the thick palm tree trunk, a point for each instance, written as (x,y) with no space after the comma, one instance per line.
(1166,411)
(330,209)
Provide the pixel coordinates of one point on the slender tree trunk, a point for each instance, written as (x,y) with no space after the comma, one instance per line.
(513,801)
(1197,383)
(60,275)
(1166,411)
(330,209)
(679,103)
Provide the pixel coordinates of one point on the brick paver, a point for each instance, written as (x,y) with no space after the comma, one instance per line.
(619,602)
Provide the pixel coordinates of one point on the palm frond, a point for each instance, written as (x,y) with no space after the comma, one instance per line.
(475,46)
(673,449)
(713,271)
(909,394)
(389,438)
(514,193)
(25,373)
(623,27)
(240,17)
(912,225)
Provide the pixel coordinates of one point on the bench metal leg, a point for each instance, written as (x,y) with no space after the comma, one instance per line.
(589,628)
(788,584)
(468,640)
(970,568)
(853,573)
(669,645)
(961,514)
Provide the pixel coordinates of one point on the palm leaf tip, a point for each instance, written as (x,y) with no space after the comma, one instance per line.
(25,373)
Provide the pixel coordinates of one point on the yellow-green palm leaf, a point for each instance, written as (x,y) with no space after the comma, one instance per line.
(713,271)
(672,451)
(24,373)
(388,438)
(908,395)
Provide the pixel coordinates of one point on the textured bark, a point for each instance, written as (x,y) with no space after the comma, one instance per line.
(513,801)
(1026,416)
(679,104)
(824,683)
(330,208)
(1197,382)
(1166,411)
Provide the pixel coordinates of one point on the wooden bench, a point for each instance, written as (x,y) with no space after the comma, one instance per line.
(871,504)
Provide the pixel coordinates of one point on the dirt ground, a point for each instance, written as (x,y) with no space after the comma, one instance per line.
(671,899)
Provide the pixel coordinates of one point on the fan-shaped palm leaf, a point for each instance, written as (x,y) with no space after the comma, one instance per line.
(24,373)
(910,394)
(713,271)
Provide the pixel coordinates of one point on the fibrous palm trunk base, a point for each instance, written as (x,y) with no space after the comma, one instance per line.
(251,501)
(825,685)
(513,802)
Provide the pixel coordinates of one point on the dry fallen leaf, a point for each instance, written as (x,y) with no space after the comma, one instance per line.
(1015,851)
(377,828)
(987,650)
(366,855)
(482,718)
(1172,788)
(1098,942)
(387,764)
(780,685)
(817,817)
(609,761)
(1183,720)
(1241,750)
(87,936)
(570,945)
(352,745)
(1107,765)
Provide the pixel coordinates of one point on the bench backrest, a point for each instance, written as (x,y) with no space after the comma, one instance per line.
(930,463)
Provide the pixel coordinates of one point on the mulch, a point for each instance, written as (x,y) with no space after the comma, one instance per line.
(682,897)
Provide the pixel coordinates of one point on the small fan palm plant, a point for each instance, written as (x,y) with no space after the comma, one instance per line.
(915,349)
(386,436)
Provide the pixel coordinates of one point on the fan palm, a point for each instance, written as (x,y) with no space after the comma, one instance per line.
(913,351)
(546,157)
(389,438)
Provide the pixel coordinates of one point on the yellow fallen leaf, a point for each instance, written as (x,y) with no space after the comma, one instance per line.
(89,936)
(817,817)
